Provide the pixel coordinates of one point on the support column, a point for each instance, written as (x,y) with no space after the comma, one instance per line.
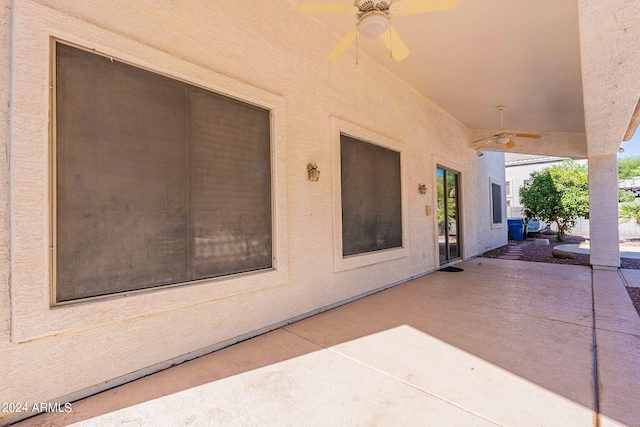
(603,212)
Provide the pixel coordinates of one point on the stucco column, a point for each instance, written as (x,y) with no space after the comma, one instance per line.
(603,215)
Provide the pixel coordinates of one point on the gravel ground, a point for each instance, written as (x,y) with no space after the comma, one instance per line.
(533,253)
(634,293)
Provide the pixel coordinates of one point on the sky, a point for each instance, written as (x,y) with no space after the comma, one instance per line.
(632,147)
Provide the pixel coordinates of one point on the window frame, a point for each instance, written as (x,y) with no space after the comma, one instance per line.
(339,127)
(33,315)
(368,167)
(492,183)
(54,174)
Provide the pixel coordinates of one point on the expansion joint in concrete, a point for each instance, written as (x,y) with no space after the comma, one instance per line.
(596,395)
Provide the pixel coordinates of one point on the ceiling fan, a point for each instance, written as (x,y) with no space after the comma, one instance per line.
(503,136)
(374,20)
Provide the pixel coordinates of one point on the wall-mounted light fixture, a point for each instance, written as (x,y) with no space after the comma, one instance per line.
(314,173)
(422,189)
(620,150)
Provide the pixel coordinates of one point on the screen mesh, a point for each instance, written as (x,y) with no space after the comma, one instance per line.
(157,182)
(496,203)
(371,197)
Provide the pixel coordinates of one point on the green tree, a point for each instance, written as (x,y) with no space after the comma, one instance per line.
(628,167)
(451,202)
(559,194)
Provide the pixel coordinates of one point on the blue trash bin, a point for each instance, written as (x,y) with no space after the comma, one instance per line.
(516,228)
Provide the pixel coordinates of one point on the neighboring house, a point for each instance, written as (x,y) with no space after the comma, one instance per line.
(155,201)
(632,185)
(518,170)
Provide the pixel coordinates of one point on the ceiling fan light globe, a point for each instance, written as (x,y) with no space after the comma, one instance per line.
(373,24)
(503,140)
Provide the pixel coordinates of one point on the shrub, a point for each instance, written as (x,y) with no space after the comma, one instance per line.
(559,194)
(629,212)
(626,196)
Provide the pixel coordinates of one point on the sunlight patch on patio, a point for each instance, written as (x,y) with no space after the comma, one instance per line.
(400,376)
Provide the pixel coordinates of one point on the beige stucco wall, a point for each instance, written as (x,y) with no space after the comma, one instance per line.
(5,308)
(610,66)
(487,235)
(262,52)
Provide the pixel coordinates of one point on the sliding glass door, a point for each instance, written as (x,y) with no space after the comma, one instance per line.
(448,215)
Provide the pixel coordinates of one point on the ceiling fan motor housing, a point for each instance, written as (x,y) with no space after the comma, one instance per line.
(371,5)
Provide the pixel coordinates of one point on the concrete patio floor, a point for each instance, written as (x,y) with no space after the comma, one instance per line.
(507,343)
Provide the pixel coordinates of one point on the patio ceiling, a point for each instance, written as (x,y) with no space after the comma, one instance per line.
(521,53)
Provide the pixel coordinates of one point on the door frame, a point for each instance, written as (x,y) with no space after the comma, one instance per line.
(459,222)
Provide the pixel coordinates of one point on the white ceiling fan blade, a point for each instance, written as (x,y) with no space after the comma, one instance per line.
(342,45)
(486,142)
(397,48)
(527,135)
(412,7)
(483,139)
(323,8)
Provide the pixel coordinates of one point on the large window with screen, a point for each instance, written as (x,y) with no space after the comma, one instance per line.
(371,197)
(156,182)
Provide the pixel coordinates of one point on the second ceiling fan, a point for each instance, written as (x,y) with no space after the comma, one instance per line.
(503,136)
(374,20)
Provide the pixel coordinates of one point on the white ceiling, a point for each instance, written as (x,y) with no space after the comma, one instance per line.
(521,53)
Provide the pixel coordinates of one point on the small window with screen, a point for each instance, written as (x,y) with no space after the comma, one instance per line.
(496,203)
